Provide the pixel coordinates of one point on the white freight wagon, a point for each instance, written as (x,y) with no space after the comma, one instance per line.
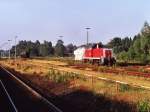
(79,53)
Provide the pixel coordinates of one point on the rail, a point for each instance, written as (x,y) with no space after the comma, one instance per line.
(53,107)
(12,105)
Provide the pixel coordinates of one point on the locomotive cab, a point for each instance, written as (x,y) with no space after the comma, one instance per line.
(108,57)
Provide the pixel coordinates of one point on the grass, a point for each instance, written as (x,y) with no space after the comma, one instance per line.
(59,73)
(62,77)
(42,66)
(128,88)
(26,68)
(143,106)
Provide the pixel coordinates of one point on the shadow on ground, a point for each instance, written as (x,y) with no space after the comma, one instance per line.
(80,100)
(86,101)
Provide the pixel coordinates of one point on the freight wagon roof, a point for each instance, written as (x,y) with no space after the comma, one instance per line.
(79,50)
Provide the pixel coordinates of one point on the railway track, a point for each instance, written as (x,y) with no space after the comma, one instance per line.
(17,96)
(6,102)
(131,73)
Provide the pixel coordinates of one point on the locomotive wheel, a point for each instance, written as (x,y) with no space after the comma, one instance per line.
(93,62)
(106,62)
(96,62)
(85,60)
(112,61)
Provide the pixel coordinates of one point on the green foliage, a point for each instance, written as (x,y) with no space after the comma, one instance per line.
(124,87)
(119,44)
(59,48)
(143,106)
(70,49)
(62,77)
(137,49)
(131,53)
(144,59)
(128,88)
(115,42)
(35,49)
(126,43)
(137,46)
(117,49)
(46,49)
(146,29)
(124,56)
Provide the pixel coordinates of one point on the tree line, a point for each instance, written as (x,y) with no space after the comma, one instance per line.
(133,49)
(35,49)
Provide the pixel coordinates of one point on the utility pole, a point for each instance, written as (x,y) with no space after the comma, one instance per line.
(87,29)
(15,48)
(61,37)
(2,52)
(10,47)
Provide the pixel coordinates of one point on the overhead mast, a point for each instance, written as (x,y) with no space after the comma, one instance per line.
(87,35)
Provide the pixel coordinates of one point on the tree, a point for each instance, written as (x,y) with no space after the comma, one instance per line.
(143,58)
(34,48)
(42,50)
(126,43)
(137,46)
(123,56)
(131,53)
(46,49)
(115,42)
(136,49)
(69,49)
(136,37)
(100,45)
(146,29)
(117,49)
(37,47)
(59,48)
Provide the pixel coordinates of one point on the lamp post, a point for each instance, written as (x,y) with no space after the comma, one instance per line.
(2,52)
(87,29)
(15,48)
(10,47)
(61,37)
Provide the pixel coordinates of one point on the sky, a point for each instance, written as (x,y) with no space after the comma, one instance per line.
(49,19)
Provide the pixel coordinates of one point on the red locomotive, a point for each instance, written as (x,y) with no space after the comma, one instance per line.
(95,55)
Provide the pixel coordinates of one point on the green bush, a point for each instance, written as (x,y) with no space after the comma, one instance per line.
(124,87)
(144,59)
(123,56)
(62,77)
(143,106)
